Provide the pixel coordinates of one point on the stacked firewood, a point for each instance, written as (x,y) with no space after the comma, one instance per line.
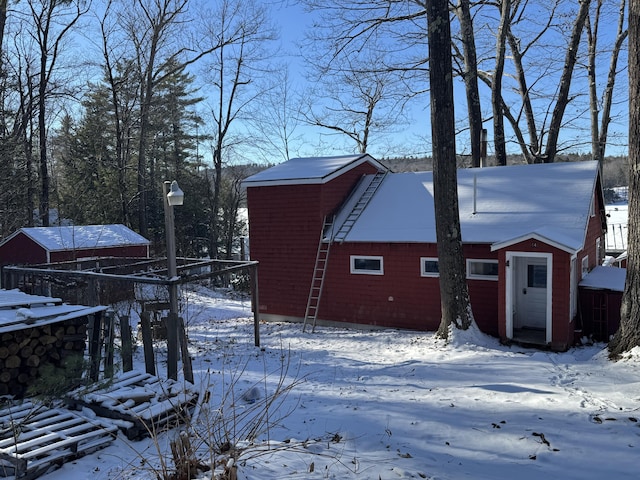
(24,352)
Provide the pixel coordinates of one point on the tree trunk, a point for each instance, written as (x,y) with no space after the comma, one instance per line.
(594,112)
(496,86)
(42,139)
(565,82)
(628,335)
(533,149)
(3,21)
(607,95)
(454,294)
(470,78)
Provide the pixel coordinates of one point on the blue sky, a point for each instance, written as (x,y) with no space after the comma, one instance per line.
(294,22)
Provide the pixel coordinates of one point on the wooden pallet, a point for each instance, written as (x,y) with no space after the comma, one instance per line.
(35,438)
(145,402)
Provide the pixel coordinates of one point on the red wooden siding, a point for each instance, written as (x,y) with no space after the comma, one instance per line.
(600,313)
(22,250)
(285,224)
(594,231)
(400,298)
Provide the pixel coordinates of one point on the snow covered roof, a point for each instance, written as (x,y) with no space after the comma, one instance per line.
(309,170)
(19,310)
(498,206)
(82,236)
(609,278)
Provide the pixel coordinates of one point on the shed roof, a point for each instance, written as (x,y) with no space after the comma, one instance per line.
(75,237)
(309,170)
(605,278)
(497,205)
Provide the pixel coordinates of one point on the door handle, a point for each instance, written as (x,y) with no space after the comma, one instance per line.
(524,291)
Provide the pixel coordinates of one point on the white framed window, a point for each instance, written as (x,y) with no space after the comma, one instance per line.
(482,269)
(367,265)
(585,265)
(429,267)
(598,252)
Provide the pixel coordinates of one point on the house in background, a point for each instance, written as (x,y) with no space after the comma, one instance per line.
(616,239)
(37,245)
(343,239)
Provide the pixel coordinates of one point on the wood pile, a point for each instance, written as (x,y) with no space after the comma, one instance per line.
(24,352)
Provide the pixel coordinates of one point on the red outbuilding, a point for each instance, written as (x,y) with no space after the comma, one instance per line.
(343,239)
(38,245)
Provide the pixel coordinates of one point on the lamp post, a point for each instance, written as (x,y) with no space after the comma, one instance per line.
(172,195)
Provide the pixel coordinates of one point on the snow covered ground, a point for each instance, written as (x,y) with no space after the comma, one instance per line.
(390,404)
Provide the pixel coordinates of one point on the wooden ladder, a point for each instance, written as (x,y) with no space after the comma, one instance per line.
(319,270)
(359,207)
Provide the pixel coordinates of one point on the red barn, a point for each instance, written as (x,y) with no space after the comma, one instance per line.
(35,245)
(342,239)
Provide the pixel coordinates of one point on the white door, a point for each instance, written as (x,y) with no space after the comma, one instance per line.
(530,293)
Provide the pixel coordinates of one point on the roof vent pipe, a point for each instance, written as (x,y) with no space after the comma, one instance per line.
(483,146)
(475,192)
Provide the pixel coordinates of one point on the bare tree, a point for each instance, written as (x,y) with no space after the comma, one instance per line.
(277,116)
(628,335)
(367,60)
(544,123)
(3,21)
(162,48)
(119,72)
(565,82)
(601,108)
(470,79)
(359,100)
(499,138)
(242,32)
(454,292)
(51,22)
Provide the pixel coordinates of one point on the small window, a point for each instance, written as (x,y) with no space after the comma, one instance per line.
(429,267)
(367,265)
(537,276)
(585,265)
(598,252)
(482,269)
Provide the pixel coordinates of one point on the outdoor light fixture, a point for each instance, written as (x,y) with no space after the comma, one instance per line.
(172,196)
(175,195)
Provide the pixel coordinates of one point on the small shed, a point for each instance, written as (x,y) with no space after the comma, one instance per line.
(36,245)
(600,300)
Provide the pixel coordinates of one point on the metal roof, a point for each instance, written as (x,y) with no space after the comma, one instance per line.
(81,237)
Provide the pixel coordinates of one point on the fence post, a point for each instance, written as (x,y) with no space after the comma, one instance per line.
(127,348)
(95,329)
(187,368)
(255,303)
(147,342)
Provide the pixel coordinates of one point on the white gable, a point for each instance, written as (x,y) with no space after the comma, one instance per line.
(309,170)
(550,200)
(83,237)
